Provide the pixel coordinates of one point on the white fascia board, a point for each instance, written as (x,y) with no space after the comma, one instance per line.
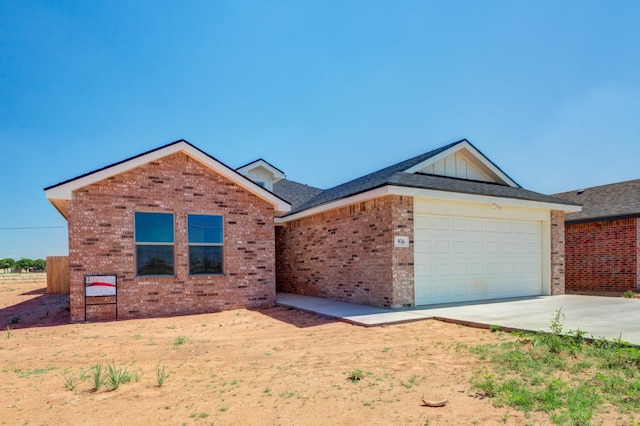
(417,192)
(65,191)
(473,151)
(460,196)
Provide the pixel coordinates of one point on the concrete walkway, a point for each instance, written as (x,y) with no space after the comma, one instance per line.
(608,317)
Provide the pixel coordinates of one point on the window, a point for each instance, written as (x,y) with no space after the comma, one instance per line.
(205,244)
(154,243)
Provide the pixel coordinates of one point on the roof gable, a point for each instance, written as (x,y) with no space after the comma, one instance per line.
(61,193)
(262,173)
(277,173)
(412,174)
(463,161)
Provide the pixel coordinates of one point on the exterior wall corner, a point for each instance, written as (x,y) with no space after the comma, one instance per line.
(557,252)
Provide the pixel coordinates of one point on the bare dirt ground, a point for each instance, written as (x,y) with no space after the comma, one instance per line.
(264,367)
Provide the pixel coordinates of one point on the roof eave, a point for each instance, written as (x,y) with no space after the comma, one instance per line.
(601,218)
(388,189)
(64,190)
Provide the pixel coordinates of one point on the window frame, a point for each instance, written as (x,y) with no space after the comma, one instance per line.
(206,244)
(137,244)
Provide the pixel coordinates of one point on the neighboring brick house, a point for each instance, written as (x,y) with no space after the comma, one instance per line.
(182,232)
(446,226)
(602,242)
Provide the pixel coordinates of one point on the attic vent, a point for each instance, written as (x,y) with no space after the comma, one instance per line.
(579,191)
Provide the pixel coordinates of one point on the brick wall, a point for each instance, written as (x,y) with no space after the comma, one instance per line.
(348,254)
(602,256)
(558,259)
(101,241)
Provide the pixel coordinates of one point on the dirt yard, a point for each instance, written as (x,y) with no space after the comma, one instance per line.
(264,367)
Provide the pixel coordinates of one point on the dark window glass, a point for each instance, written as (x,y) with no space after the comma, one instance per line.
(205,260)
(154,260)
(206,238)
(154,243)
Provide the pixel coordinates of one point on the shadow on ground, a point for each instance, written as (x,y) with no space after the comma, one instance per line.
(45,310)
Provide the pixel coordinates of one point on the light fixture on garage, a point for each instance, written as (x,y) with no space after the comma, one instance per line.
(495,206)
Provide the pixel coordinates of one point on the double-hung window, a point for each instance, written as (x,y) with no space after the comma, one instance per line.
(206,244)
(154,238)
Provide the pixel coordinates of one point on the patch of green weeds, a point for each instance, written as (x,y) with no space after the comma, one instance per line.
(629,294)
(179,341)
(36,371)
(115,376)
(288,394)
(96,376)
(70,383)
(161,376)
(564,374)
(355,375)
(410,383)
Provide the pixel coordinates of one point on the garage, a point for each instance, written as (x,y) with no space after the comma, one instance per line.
(461,258)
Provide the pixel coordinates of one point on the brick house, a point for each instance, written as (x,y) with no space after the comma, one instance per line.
(183,233)
(602,242)
(445,226)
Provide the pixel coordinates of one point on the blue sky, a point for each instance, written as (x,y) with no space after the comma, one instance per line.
(324,90)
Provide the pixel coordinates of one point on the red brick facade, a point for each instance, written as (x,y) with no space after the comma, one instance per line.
(602,256)
(101,240)
(348,253)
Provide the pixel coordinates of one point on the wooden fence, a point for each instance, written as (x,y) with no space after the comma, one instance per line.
(58,274)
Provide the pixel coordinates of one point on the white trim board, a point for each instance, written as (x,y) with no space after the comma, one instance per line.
(429,193)
(62,192)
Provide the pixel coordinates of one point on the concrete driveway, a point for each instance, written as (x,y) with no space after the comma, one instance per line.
(608,317)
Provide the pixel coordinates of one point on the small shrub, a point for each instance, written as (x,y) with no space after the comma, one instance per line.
(629,294)
(355,375)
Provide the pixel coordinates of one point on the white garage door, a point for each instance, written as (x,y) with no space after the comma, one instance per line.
(461,259)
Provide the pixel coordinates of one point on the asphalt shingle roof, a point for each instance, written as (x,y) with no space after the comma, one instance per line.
(394,175)
(605,201)
(293,192)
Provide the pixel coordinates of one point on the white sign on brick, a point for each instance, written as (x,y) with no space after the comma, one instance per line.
(401,241)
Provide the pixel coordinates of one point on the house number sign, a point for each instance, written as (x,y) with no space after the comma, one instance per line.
(400,241)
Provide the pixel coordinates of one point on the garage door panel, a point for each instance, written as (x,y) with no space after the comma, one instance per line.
(461,258)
